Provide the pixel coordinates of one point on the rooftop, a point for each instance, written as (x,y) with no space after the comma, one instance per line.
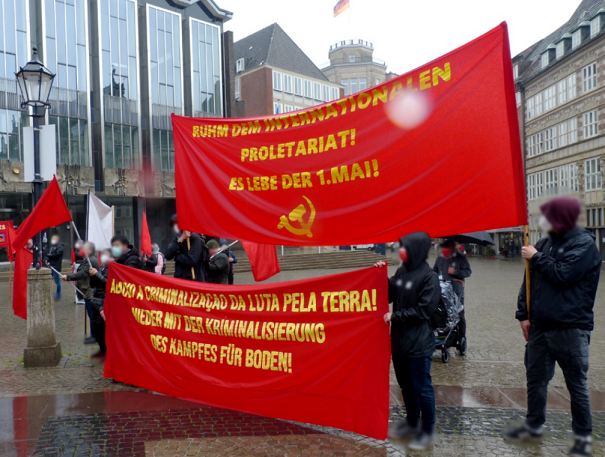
(272,46)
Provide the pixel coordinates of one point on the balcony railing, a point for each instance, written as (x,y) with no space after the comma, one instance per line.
(160,116)
(68,102)
(358,60)
(10,95)
(120,110)
(343,43)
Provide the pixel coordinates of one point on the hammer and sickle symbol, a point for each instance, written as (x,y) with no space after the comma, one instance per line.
(297,216)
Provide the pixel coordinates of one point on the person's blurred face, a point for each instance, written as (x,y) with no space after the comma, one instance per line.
(447,252)
(403,255)
(88,249)
(117,249)
(78,245)
(106,257)
(29,244)
(54,240)
(213,251)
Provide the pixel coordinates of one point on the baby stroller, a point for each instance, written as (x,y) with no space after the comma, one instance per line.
(445,322)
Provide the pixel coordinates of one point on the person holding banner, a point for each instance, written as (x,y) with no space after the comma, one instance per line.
(98,278)
(415,293)
(54,258)
(557,321)
(85,288)
(124,253)
(186,250)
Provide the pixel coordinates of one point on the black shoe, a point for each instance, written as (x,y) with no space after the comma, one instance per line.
(90,340)
(98,355)
(523,434)
(582,446)
(403,430)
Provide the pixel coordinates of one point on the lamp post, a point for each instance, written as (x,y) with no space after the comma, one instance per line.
(35,82)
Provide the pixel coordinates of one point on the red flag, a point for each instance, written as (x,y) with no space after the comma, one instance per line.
(50,211)
(263,260)
(73,256)
(10,235)
(145,237)
(368,168)
(24,259)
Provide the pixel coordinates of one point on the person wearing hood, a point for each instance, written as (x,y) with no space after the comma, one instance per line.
(186,250)
(218,266)
(98,278)
(564,270)
(124,253)
(54,258)
(415,293)
(232,259)
(453,266)
(86,290)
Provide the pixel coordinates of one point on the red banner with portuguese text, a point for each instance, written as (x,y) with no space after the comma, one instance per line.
(315,350)
(436,149)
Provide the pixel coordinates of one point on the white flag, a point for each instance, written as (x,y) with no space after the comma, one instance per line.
(99,223)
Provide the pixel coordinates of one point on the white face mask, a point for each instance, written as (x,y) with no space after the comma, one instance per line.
(544,224)
(105,259)
(53,242)
(176,229)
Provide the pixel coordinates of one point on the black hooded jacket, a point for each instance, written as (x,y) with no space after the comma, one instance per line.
(186,258)
(415,293)
(130,258)
(564,278)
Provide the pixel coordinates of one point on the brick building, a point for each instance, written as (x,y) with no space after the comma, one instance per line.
(560,95)
(273,75)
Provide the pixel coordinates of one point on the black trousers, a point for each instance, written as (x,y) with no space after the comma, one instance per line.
(98,323)
(230,276)
(568,348)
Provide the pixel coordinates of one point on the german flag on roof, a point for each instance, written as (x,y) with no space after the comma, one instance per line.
(340,7)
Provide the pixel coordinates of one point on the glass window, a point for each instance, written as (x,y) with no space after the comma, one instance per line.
(351,58)
(595,26)
(82,68)
(60,30)
(81,22)
(592,169)
(589,77)
(354,87)
(49,8)
(590,124)
(308,88)
(576,38)
(545,60)
(363,84)
(345,83)
(317,91)
(277,80)
(298,89)
(288,83)
(571,87)
(9,25)
(326,93)
(560,49)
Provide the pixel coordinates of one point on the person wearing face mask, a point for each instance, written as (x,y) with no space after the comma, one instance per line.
(453,266)
(82,278)
(186,250)
(415,293)
(160,267)
(54,258)
(124,253)
(564,270)
(149,263)
(98,279)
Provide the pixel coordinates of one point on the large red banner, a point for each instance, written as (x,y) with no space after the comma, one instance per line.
(315,350)
(5,226)
(436,149)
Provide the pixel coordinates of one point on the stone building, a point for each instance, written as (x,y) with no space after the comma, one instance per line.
(353,65)
(560,95)
(273,75)
(122,67)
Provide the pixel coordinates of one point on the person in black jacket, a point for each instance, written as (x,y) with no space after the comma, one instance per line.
(564,271)
(232,259)
(186,250)
(54,258)
(124,253)
(453,266)
(83,283)
(98,278)
(218,266)
(149,263)
(415,293)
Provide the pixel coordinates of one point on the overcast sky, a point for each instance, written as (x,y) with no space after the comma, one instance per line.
(405,33)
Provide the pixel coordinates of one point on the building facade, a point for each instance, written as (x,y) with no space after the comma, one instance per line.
(561,99)
(273,75)
(352,64)
(122,67)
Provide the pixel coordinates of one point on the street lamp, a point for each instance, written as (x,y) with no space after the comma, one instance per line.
(35,82)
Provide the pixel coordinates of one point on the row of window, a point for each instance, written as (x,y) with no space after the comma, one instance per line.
(576,40)
(557,136)
(279,108)
(557,94)
(561,180)
(594,217)
(564,179)
(354,85)
(284,82)
(563,134)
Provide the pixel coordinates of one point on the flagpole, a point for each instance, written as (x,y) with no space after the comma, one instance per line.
(78,235)
(74,286)
(189,249)
(527,272)
(226,249)
(10,278)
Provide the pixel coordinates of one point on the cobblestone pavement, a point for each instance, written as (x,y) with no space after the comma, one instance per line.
(492,373)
